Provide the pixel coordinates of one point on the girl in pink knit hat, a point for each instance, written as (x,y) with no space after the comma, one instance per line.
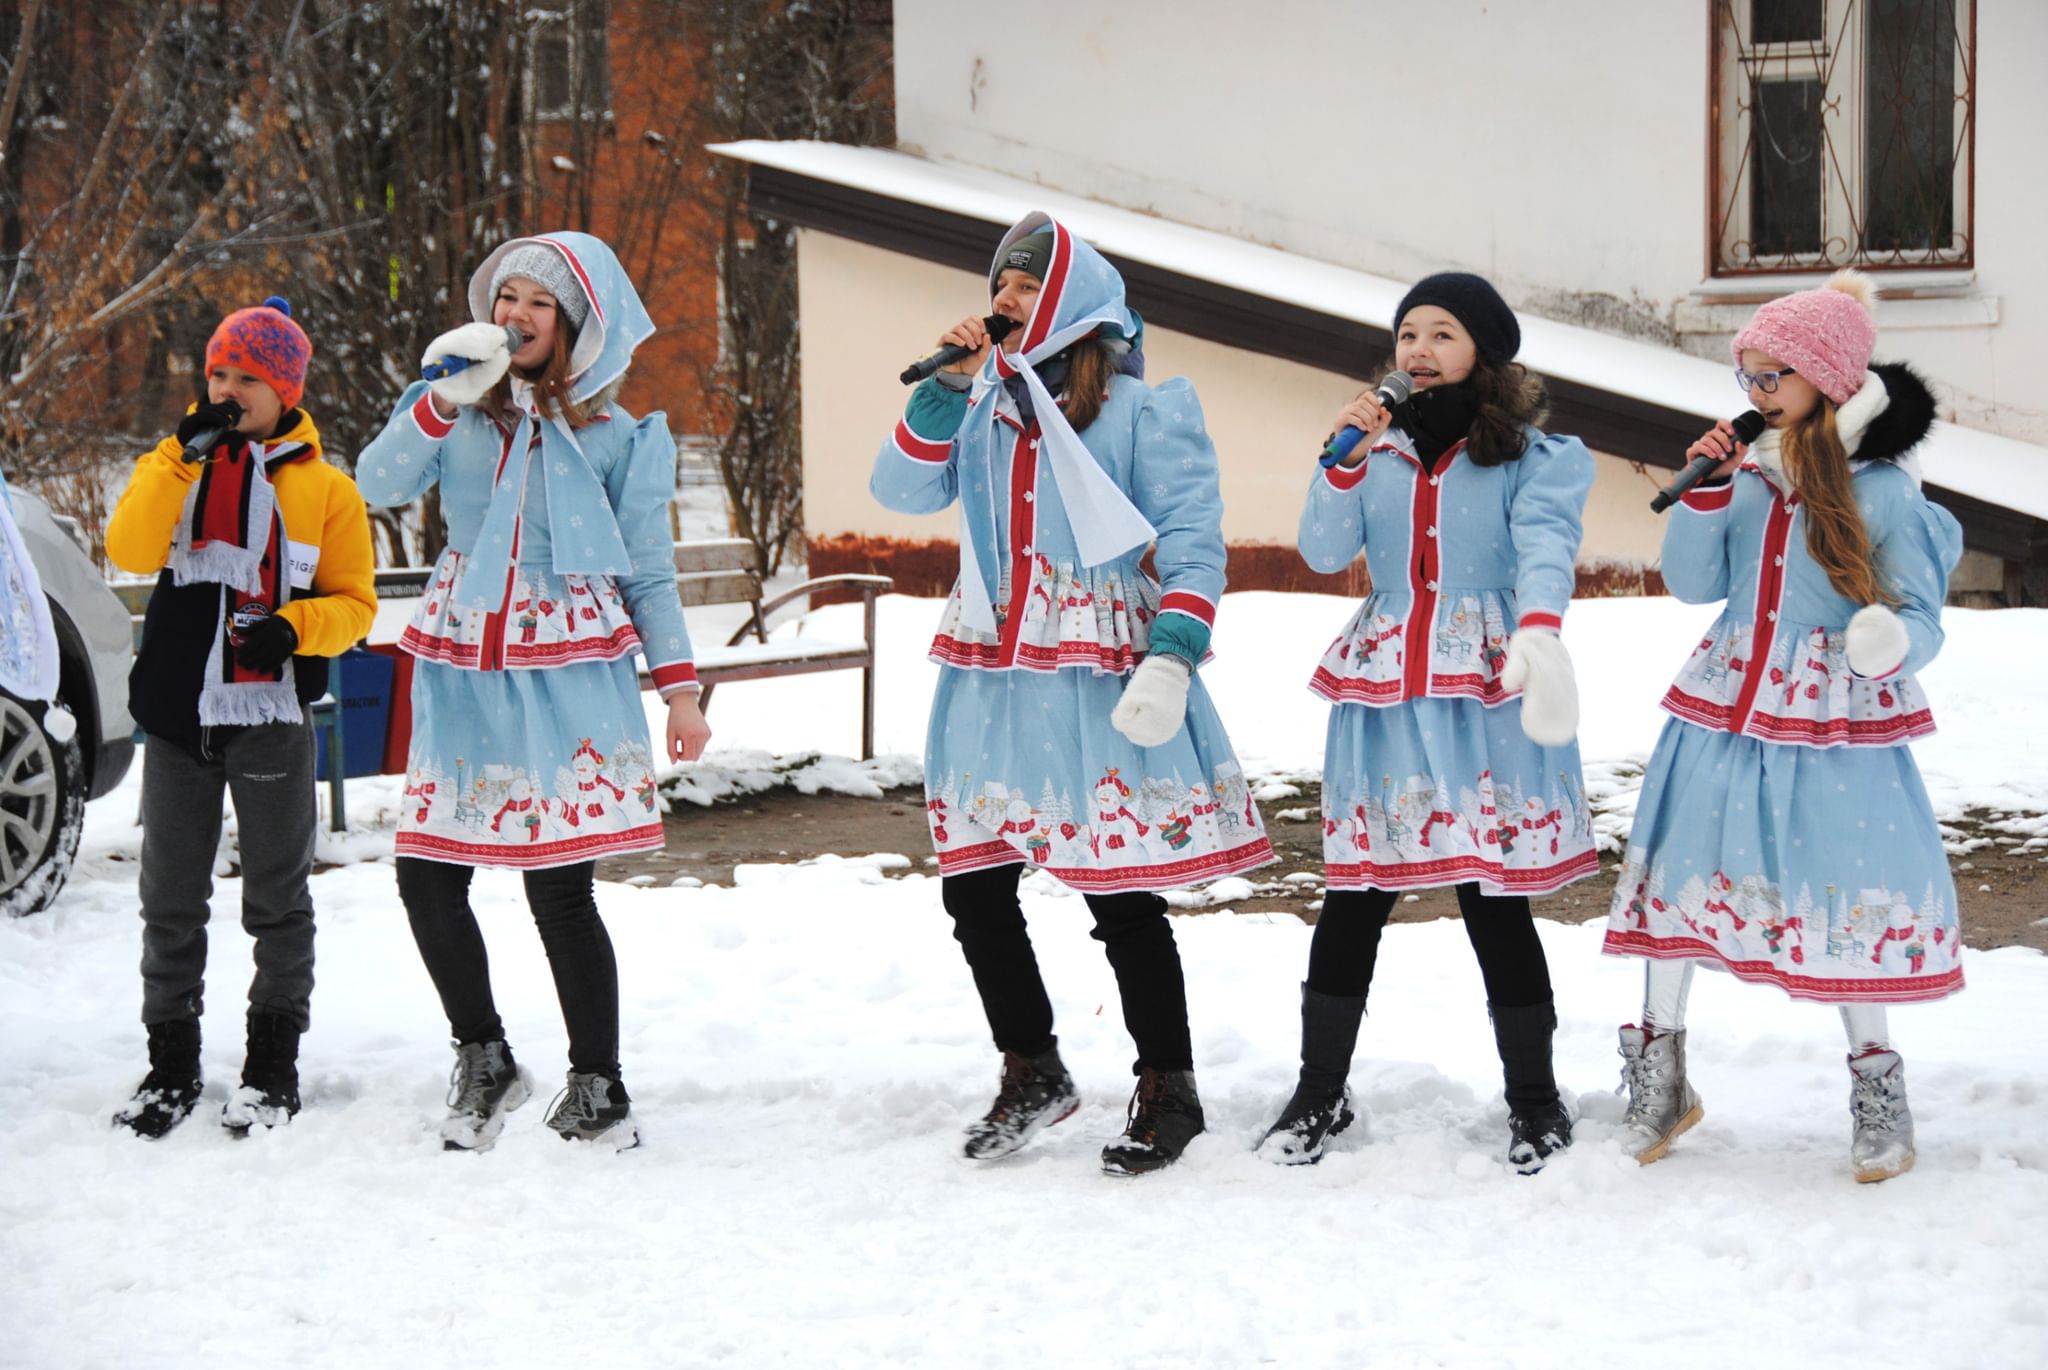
(1783,834)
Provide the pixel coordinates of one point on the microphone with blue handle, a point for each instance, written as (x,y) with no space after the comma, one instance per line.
(448,366)
(1394,387)
(1747,425)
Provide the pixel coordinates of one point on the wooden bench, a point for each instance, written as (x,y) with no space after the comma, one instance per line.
(727,571)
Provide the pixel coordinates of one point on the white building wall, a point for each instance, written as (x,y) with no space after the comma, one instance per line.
(1560,148)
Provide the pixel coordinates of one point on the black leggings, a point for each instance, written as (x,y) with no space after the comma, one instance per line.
(989,925)
(564,905)
(1346,944)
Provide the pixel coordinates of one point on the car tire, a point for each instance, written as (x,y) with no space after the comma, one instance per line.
(42,806)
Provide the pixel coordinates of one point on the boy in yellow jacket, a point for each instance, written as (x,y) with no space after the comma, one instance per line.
(264,551)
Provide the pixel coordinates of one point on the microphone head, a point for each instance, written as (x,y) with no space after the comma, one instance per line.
(1396,386)
(1748,424)
(514,339)
(999,326)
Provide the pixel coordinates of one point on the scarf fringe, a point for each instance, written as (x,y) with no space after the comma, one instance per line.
(218,563)
(243,706)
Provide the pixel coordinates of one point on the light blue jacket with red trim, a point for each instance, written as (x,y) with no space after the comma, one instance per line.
(1150,439)
(634,462)
(1514,527)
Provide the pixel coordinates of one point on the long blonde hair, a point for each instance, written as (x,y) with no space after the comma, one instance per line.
(1818,465)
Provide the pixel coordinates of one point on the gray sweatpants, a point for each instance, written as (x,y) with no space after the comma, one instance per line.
(269,771)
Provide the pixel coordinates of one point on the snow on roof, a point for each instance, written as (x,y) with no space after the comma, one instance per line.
(1987,466)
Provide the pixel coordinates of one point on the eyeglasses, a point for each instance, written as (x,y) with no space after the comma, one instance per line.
(1766,381)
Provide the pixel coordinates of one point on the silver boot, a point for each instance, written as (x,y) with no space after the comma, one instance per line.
(1881,1146)
(1661,1101)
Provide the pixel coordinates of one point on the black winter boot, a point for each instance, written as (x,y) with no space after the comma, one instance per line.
(1164,1116)
(172,1086)
(1538,1123)
(486,1085)
(1321,1105)
(1036,1092)
(269,1093)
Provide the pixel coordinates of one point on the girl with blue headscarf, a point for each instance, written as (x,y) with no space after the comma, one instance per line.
(1069,731)
(529,743)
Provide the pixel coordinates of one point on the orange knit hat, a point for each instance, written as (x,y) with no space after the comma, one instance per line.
(266,343)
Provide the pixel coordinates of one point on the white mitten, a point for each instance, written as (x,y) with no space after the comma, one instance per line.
(489,354)
(1539,666)
(1877,641)
(1155,703)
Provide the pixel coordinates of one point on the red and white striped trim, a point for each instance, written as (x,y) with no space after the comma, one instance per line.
(624,641)
(933,450)
(1049,290)
(1456,870)
(1164,875)
(582,276)
(428,420)
(1195,606)
(529,855)
(1708,499)
(1382,693)
(1812,732)
(677,675)
(1770,593)
(1814,989)
(1425,564)
(993,656)
(1346,478)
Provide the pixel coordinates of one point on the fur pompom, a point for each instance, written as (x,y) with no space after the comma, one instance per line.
(1857,287)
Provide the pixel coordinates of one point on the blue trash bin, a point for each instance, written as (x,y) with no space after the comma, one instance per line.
(361,681)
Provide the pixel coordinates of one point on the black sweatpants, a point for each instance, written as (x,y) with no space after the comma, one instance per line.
(989,925)
(1346,944)
(564,904)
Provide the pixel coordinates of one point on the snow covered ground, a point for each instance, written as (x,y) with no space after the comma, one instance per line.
(805,1046)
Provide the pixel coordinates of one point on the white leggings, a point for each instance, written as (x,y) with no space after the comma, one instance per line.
(1667,985)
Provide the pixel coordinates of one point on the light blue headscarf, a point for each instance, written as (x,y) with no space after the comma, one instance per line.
(1081,293)
(585,531)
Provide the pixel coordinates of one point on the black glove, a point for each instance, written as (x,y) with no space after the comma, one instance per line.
(268,645)
(208,417)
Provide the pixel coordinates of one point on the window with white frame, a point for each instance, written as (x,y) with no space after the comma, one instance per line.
(1842,134)
(568,73)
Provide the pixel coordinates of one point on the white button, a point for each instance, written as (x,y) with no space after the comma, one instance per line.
(1433,480)
(1034,444)
(1773,615)
(1432,585)
(1027,552)
(1432,532)
(1030,495)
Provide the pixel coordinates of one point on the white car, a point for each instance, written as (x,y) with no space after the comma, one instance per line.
(48,772)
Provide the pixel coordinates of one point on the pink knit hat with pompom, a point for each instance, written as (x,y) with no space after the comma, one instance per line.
(1825,335)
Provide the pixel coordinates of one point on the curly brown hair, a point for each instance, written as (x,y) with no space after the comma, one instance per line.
(1505,398)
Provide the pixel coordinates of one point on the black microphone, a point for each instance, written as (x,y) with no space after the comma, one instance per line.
(1394,387)
(205,442)
(998,326)
(1747,425)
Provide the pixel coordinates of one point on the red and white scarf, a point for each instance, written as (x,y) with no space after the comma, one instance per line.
(232,533)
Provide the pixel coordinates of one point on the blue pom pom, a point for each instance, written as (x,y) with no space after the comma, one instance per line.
(280,304)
